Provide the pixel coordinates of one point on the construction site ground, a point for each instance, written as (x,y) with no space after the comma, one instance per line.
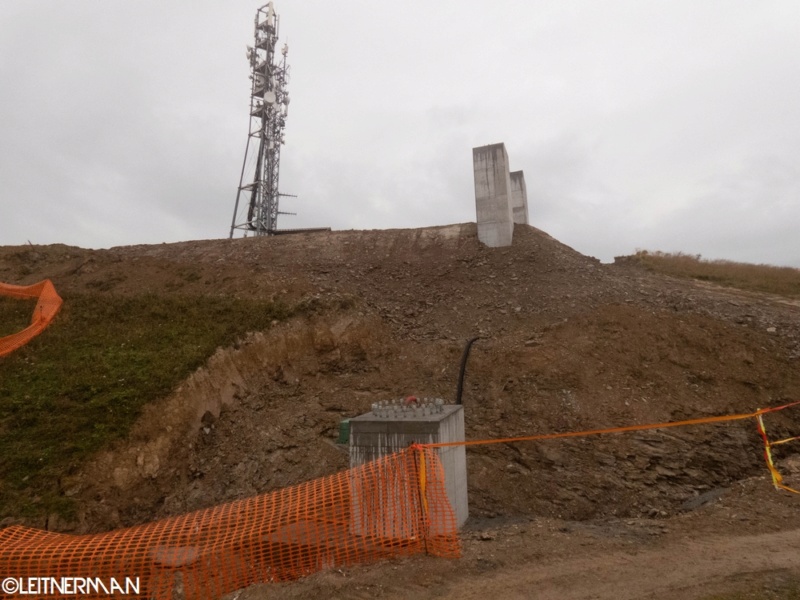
(567,344)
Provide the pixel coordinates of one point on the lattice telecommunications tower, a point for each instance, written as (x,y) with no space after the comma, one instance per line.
(269,104)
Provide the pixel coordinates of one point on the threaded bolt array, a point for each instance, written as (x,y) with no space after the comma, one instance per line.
(408,408)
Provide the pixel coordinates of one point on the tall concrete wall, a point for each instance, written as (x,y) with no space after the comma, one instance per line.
(493,195)
(519,198)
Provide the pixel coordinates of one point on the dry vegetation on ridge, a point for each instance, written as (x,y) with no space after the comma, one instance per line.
(783,281)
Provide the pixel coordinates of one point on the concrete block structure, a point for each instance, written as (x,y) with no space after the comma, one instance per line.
(493,195)
(519,198)
(373,436)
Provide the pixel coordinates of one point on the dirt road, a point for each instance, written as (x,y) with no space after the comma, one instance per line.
(681,569)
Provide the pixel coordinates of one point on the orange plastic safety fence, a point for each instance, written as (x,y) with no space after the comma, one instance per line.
(777,478)
(624,429)
(46,309)
(394,506)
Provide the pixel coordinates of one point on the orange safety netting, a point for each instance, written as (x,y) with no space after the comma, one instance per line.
(393,506)
(46,309)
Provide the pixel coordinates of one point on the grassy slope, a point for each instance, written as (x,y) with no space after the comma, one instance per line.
(83,382)
(783,281)
(15,315)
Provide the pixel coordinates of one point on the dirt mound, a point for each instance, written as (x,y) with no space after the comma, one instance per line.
(568,344)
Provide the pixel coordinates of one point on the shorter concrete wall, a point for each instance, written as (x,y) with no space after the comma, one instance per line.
(519,198)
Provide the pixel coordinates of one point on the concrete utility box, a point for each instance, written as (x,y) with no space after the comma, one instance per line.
(519,197)
(493,195)
(373,436)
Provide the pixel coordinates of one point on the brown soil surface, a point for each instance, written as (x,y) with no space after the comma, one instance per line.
(567,344)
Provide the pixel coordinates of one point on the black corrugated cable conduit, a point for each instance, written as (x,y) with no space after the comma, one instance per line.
(464,357)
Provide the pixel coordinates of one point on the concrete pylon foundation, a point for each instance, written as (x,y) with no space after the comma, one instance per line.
(519,198)
(374,435)
(493,195)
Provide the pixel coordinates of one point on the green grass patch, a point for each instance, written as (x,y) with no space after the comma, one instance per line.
(83,382)
(15,314)
(782,281)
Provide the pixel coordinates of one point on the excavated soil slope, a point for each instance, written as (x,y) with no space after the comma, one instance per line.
(567,344)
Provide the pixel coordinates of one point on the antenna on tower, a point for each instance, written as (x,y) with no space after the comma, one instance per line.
(269,107)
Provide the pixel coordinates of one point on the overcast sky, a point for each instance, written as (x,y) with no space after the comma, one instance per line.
(663,124)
